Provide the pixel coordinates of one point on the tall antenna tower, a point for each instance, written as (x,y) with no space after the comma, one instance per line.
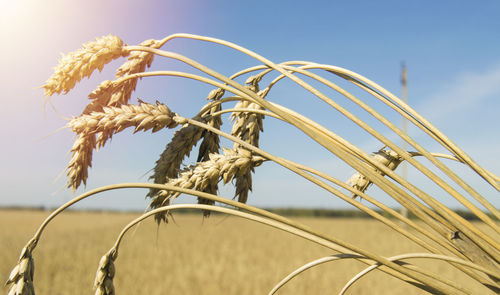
(404,165)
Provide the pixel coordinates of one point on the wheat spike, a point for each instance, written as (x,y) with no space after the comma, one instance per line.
(100,97)
(230,164)
(111,93)
(112,120)
(103,283)
(21,277)
(247,126)
(169,163)
(210,144)
(81,160)
(386,157)
(76,65)
(137,63)
(211,141)
(106,123)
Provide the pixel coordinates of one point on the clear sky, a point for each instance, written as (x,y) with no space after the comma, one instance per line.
(452,52)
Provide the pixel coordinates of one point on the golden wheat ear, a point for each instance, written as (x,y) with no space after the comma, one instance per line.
(21,277)
(103,282)
(81,63)
(105,124)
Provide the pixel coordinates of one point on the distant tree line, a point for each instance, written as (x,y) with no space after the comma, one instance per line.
(291,212)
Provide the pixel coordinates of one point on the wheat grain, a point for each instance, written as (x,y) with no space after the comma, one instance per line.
(76,65)
(386,157)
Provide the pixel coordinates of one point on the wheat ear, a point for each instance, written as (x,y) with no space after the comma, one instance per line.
(210,144)
(247,126)
(386,157)
(106,123)
(230,164)
(21,277)
(103,283)
(111,93)
(169,163)
(81,160)
(76,65)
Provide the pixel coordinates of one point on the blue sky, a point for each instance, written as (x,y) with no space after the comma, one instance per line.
(452,53)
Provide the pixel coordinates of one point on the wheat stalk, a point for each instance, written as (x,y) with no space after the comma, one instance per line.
(398,258)
(417,274)
(76,65)
(324,140)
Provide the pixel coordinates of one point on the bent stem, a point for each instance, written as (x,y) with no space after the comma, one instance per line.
(423,255)
(397,258)
(445,287)
(458,222)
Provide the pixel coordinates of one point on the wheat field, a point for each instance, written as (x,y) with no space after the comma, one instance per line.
(196,255)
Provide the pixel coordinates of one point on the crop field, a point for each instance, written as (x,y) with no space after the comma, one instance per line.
(196,255)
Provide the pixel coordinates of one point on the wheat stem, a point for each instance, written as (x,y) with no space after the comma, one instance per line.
(398,258)
(351,189)
(448,213)
(416,273)
(456,220)
(337,257)
(377,217)
(454,260)
(402,153)
(314,180)
(320,139)
(413,116)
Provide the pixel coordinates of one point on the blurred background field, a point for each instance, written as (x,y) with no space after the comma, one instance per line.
(218,255)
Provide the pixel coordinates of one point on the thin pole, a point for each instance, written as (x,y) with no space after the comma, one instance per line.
(404,165)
